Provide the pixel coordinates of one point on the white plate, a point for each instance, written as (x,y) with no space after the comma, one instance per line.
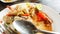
(8,1)
(49,11)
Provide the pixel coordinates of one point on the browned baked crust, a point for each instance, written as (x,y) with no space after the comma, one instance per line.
(37,17)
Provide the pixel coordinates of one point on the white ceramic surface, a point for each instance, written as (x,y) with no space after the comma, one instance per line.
(55,4)
(49,11)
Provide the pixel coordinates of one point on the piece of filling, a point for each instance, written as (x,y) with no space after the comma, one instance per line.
(7,0)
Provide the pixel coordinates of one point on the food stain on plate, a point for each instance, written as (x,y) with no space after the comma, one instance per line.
(8,1)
